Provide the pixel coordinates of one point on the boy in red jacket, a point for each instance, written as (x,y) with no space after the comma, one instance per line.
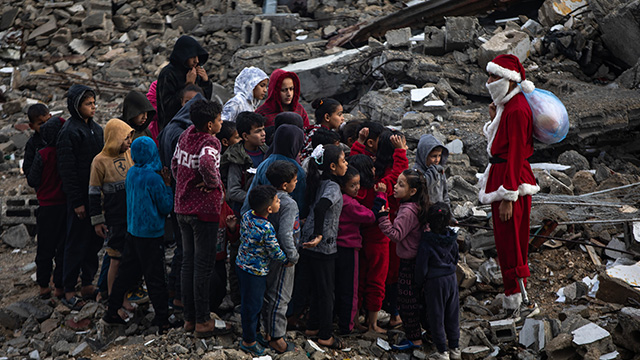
(198,201)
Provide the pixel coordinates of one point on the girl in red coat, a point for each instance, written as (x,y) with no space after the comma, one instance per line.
(508,182)
(283,95)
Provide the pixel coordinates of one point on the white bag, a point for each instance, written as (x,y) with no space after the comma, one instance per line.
(550,117)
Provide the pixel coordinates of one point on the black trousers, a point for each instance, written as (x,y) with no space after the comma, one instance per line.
(318,271)
(346,307)
(80,251)
(142,257)
(443,311)
(52,233)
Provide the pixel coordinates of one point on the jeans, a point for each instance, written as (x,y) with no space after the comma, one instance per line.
(199,239)
(252,288)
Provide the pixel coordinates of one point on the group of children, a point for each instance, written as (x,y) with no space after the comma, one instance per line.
(320,220)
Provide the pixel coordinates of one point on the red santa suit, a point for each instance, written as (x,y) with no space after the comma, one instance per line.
(509,175)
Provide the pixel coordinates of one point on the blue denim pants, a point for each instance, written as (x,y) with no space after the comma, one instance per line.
(252,288)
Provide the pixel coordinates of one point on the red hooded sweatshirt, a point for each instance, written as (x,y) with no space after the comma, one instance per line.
(273,105)
(197,160)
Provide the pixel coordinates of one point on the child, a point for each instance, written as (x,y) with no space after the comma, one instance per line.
(52,210)
(198,200)
(368,134)
(321,136)
(38,114)
(250,87)
(79,141)
(259,246)
(238,164)
(317,258)
(431,157)
(405,232)
(138,112)
(349,243)
(283,175)
(149,200)
(184,68)
(108,173)
(436,271)
(391,160)
(283,95)
(349,132)
(286,117)
(228,135)
(328,116)
(288,141)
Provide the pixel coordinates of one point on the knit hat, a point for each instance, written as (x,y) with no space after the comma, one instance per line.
(509,67)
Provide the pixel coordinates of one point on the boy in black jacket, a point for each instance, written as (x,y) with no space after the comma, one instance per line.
(79,141)
(38,114)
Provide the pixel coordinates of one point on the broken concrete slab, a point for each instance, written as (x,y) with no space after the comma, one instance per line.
(16,236)
(6,21)
(461,190)
(504,330)
(398,38)
(560,348)
(384,106)
(583,182)
(620,27)
(434,41)
(466,277)
(460,32)
(619,284)
(511,42)
(45,29)
(552,11)
(625,333)
(592,337)
(475,352)
(535,334)
(276,56)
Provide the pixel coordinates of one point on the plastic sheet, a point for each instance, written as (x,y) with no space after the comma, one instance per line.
(550,117)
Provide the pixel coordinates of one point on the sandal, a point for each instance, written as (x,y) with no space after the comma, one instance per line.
(255,349)
(337,344)
(290,347)
(405,344)
(261,340)
(75,303)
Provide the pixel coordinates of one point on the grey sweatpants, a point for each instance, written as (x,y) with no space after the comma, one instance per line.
(276,299)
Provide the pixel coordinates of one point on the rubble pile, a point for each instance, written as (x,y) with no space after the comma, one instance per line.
(419,79)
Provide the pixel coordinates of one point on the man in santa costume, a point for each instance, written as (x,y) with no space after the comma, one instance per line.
(508,182)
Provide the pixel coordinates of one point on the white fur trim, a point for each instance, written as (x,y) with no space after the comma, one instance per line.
(512,302)
(496,69)
(491,128)
(528,189)
(527,86)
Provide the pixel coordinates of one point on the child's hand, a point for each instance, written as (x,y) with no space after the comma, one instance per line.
(191,76)
(398,142)
(203,74)
(380,187)
(313,243)
(203,187)
(80,211)
(166,175)
(363,135)
(492,110)
(101,230)
(232,221)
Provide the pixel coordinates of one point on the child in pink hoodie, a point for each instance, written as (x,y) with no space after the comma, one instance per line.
(198,202)
(349,242)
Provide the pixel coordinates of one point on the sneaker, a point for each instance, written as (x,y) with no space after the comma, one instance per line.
(524,311)
(140,296)
(439,356)
(455,354)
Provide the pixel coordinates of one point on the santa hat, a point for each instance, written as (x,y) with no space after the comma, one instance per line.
(509,66)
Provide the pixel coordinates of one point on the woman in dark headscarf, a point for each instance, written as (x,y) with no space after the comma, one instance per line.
(287,144)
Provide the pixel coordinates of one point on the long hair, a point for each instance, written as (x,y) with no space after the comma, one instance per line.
(364,165)
(438,217)
(320,169)
(324,106)
(415,180)
(384,156)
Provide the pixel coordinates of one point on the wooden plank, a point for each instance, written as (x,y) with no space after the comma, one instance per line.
(593,255)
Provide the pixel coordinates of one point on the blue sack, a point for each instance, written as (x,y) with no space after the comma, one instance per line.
(550,117)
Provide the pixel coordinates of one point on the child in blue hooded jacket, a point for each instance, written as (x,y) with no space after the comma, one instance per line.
(149,201)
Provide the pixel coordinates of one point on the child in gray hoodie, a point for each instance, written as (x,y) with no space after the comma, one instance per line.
(431,158)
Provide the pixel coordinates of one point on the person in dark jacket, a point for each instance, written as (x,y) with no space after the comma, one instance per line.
(79,141)
(138,112)
(52,210)
(436,272)
(38,114)
(184,68)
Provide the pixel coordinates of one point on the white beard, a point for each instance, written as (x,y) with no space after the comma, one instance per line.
(498,90)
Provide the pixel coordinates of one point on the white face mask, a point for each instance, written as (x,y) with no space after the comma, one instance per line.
(498,89)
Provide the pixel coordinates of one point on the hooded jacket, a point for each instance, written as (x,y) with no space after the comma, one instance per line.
(437,256)
(273,105)
(168,137)
(243,100)
(173,78)
(43,173)
(78,143)
(149,200)
(35,143)
(233,169)
(108,172)
(136,103)
(436,179)
(195,161)
(405,230)
(287,143)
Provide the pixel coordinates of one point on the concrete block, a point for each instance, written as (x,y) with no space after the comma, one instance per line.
(19,210)
(434,41)
(16,236)
(460,32)
(490,272)
(506,42)
(398,38)
(535,334)
(475,352)
(412,120)
(503,330)
(466,277)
